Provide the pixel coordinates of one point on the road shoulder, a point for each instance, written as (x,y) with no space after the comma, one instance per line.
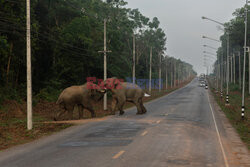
(236,150)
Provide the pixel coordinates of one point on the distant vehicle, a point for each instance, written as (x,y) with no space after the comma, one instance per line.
(202,77)
(206,87)
(202,84)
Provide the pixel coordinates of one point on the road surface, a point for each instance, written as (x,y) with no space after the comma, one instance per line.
(180,130)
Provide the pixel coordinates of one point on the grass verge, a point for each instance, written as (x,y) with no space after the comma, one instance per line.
(233,113)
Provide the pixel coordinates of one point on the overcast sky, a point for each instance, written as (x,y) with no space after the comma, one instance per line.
(184,27)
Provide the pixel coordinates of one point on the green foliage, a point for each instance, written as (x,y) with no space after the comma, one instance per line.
(8,93)
(234,87)
(48,94)
(236,30)
(66,37)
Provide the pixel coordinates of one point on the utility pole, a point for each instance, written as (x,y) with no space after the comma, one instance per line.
(29,75)
(218,76)
(244,64)
(171,73)
(239,70)
(234,66)
(133,58)
(105,62)
(248,71)
(175,74)
(186,73)
(150,70)
(159,72)
(231,70)
(180,74)
(222,77)
(166,73)
(227,97)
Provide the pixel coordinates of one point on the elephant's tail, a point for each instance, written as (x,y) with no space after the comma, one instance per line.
(60,100)
(146,95)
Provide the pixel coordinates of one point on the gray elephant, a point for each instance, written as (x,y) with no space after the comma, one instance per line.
(125,91)
(79,96)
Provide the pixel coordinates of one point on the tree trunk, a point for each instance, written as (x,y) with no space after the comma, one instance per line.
(8,66)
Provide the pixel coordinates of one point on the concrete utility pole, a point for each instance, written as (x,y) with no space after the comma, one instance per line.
(222,77)
(171,73)
(105,62)
(150,70)
(231,70)
(248,71)
(180,74)
(29,75)
(218,76)
(239,70)
(175,73)
(234,67)
(160,72)
(244,64)
(227,97)
(166,73)
(133,58)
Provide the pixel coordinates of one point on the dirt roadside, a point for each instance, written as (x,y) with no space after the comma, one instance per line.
(13,119)
(236,150)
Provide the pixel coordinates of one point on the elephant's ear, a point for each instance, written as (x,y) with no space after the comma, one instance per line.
(112,83)
(92,92)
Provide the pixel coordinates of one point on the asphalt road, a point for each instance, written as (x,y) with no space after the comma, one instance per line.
(178,130)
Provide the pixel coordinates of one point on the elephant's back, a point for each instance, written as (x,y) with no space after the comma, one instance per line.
(128,85)
(132,90)
(71,94)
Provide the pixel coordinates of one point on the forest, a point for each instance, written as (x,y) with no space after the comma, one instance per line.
(66,36)
(234,31)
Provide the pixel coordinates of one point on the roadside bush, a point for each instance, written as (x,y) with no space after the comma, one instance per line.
(234,87)
(48,94)
(7,93)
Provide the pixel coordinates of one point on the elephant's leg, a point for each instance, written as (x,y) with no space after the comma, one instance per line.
(139,108)
(120,105)
(143,109)
(70,109)
(91,110)
(113,106)
(80,110)
(58,115)
(142,106)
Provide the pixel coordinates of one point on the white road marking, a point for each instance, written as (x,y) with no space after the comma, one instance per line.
(144,133)
(158,121)
(218,134)
(118,154)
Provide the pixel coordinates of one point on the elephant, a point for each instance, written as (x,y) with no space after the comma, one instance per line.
(79,96)
(125,91)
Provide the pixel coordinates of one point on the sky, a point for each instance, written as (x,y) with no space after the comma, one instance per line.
(181,20)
